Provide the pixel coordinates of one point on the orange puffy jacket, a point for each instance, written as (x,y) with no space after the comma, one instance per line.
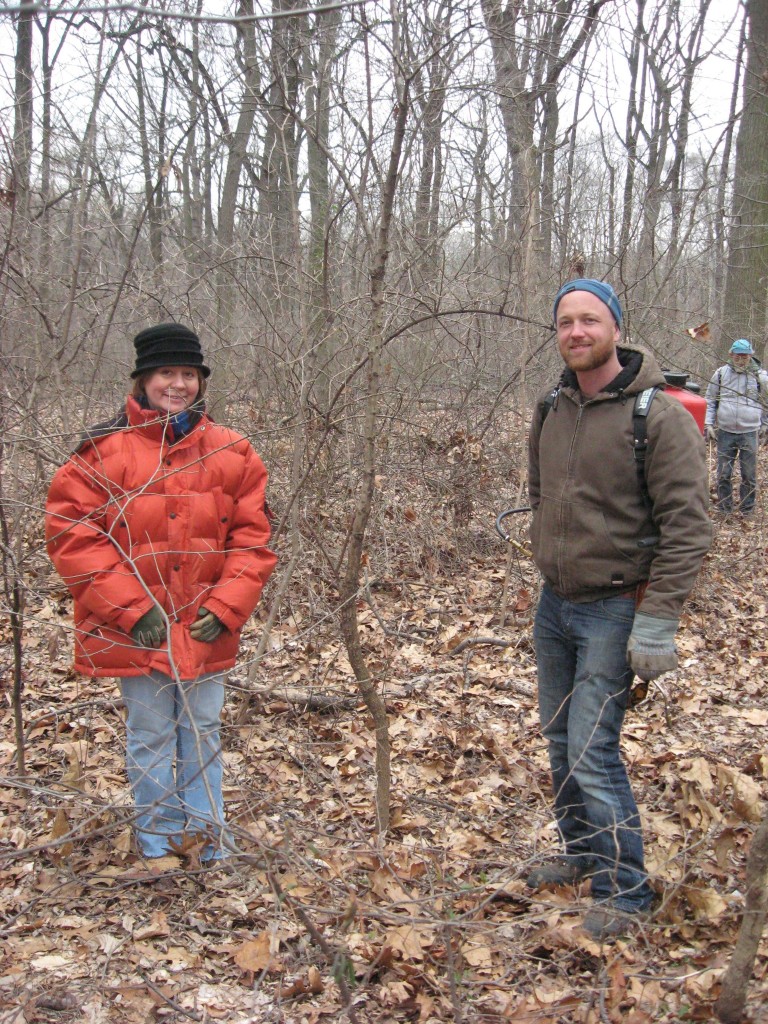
(132,520)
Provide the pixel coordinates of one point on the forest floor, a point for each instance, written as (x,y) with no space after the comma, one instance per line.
(319,921)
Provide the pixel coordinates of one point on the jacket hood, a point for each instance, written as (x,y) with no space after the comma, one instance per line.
(639,370)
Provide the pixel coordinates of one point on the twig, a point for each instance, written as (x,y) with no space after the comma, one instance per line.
(317,701)
(336,958)
(169,1002)
(476,641)
(458,1016)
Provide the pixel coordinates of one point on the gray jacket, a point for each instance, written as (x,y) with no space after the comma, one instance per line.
(592,533)
(737,400)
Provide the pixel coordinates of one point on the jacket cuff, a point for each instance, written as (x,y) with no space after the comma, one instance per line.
(127,620)
(223,613)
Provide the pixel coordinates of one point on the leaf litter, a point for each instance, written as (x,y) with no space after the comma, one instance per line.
(317,919)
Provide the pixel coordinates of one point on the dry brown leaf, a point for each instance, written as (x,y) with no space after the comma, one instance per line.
(477,954)
(707,903)
(410,940)
(157,927)
(60,828)
(256,955)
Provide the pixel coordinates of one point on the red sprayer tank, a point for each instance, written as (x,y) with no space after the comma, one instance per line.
(686,393)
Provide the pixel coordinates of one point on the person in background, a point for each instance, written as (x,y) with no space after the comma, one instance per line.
(157,525)
(737,417)
(618,564)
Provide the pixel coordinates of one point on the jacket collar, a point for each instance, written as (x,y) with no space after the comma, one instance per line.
(155,426)
(639,370)
(753,366)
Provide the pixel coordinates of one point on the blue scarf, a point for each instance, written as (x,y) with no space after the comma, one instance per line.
(180,424)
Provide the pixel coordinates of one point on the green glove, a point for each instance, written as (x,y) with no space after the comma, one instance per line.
(150,630)
(206,628)
(651,648)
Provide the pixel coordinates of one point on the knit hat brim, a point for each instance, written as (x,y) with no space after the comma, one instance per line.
(601,289)
(168,344)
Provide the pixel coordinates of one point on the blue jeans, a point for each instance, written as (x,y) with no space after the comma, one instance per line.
(584,683)
(729,446)
(173,759)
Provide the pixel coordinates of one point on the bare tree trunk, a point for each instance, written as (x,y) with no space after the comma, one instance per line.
(22,127)
(479,159)
(317,72)
(671,68)
(83,182)
(151,165)
(428,91)
(13,590)
(191,177)
(197,175)
(632,132)
(746,295)
(733,995)
(718,284)
(46,249)
(277,178)
(364,499)
(238,145)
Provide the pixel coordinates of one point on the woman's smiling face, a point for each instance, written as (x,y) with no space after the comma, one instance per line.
(172,389)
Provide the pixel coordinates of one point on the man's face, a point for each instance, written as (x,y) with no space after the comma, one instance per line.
(740,359)
(587,334)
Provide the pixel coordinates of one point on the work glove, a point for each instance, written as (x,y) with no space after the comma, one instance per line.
(206,627)
(150,630)
(711,432)
(651,648)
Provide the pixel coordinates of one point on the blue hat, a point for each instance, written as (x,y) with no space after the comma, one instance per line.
(601,289)
(742,347)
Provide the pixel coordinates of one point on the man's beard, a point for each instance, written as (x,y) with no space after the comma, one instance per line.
(593,359)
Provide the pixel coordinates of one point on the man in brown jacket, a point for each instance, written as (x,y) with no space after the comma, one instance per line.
(618,557)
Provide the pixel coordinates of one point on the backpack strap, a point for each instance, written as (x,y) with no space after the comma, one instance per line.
(639,429)
(640,438)
(548,401)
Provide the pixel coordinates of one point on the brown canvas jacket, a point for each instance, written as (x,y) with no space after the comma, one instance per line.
(592,532)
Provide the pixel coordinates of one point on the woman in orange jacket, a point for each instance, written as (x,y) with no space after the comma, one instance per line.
(157,524)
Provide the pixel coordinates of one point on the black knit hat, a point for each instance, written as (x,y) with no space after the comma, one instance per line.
(168,345)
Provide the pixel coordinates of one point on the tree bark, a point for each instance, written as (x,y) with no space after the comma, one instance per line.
(278,174)
(744,312)
(238,144)
(23,110)
(151,161)
(317,64)
(722,178)
(351,582)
